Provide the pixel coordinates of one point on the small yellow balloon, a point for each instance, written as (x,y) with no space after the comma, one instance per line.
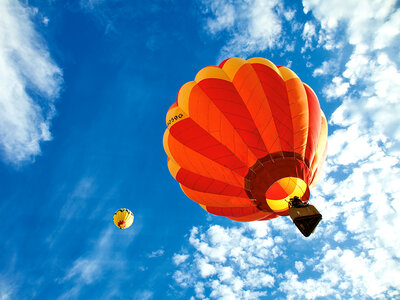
(123,218)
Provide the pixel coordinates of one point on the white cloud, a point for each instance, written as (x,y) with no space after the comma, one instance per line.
(29,83)
(388,32)
(157,253)
(179,258)
(371,75)
(289,14)
(90,4)
(308,289)
(205,268)
(308,35)
(75,205)
(337,88)
(348,146)
(356,271)
(366,184)
(91,268)
(340,237)
(103,14)
(144,295)
(299,266)
(237,262)
(252,25)
(326,69)
(199,289)
(361,18)
(224,16)
(45,21)
(7,290)
(88,269)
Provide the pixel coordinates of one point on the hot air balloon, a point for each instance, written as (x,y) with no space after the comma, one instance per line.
(123,218)
(247,140)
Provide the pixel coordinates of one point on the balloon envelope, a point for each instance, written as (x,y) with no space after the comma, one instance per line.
(244,138)
(123,218)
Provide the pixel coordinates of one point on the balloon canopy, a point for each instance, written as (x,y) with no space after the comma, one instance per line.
(244,138)
(123,218)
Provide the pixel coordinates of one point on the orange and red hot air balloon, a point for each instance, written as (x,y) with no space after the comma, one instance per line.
(245,138)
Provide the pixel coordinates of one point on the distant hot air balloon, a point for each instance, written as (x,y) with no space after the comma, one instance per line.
(247,138)
(123,218)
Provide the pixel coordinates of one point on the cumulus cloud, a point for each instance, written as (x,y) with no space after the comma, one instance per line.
(340,236)
(224,13)
(325,69)
(237,262)
(299,266)
(337,88)
(250,265)
(179,258)
(388,32)
(29,83)
(371,78)
(308,35)
(362,19)
(252,26)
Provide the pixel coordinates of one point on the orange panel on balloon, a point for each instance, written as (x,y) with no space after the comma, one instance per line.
(258,216)
(207,115)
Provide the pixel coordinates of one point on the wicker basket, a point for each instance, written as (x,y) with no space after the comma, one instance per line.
(305,218)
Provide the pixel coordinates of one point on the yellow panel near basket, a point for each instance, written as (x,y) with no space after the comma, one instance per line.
(280,193)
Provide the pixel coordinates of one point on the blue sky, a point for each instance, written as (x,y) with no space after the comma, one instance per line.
(84,89)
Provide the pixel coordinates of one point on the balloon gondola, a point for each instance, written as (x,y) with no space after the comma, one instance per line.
(247,138)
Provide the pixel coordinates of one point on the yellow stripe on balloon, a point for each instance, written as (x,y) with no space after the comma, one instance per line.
(211,72)
(184,95)
(232,65)
(173,167)
(292,187)
(175,115)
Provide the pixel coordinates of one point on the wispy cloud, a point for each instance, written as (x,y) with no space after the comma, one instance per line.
(99,9)
(91,4)
(7,290)
(30,81)
(88,269)
(156,253)
(144,295)
(75,204)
